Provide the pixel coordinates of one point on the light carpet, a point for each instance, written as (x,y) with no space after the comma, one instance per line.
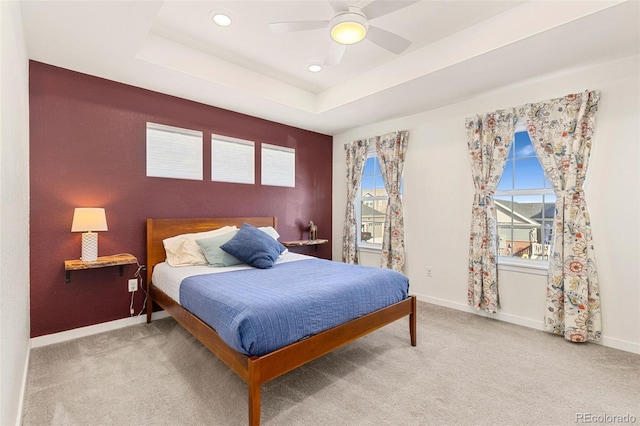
(466,370)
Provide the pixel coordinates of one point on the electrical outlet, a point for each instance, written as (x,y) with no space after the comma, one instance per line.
(133,285)
(429,271)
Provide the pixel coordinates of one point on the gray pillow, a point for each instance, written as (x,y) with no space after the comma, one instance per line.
(214,254)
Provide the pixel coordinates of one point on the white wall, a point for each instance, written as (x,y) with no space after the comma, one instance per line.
(438,194)
(14,213)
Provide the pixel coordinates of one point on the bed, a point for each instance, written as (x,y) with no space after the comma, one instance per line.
(257,369)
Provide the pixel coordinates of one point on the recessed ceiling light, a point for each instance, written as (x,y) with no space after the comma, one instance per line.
(222,19)
(315,67)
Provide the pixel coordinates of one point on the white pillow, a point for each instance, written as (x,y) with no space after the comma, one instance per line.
(183,250)
(270,230)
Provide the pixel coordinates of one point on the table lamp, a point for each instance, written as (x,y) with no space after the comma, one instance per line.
(88,221)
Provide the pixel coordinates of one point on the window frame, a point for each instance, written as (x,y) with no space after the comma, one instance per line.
(364,245)
(514,263)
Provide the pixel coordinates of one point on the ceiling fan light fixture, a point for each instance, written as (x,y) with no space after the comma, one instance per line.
(349,28)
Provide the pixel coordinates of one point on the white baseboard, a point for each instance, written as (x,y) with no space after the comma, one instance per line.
(514,319)
(64,336)
(610,342)
(23,387)
(623,345)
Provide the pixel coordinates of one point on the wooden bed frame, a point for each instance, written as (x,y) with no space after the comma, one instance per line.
(256,370)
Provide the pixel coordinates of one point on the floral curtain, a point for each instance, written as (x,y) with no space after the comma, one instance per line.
(561,132)
(391,149)
(356,152)
(489,139)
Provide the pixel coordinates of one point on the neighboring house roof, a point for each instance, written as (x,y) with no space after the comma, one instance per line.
(549,210)
(531,213)
(378,192)
(370,211)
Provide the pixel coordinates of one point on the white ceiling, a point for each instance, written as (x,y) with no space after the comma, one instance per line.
(459,49)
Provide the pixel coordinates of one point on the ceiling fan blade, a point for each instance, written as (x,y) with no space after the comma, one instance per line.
(379,8)
(287,27)
(339,6)
(387,40)
(336,51)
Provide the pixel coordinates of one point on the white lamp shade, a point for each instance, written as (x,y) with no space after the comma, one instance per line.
(89,219)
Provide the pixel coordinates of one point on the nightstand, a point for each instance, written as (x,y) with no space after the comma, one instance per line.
(102,262)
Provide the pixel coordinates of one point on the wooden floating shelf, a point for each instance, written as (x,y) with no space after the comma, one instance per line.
(300,243)
(101,262)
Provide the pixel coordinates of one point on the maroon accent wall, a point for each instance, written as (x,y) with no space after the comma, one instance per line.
(87,149)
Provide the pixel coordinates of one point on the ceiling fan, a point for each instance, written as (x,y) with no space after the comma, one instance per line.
(350,24)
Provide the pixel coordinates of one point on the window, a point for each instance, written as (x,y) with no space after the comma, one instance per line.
(371,203)
(232,160)
(173,152)
(278,166)
(525,204)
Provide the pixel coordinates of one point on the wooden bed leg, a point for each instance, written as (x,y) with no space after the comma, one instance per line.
(254,404)
(412,320)
(254,396)
(149,305)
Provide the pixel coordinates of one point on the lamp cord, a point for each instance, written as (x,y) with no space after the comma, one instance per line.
(138,276)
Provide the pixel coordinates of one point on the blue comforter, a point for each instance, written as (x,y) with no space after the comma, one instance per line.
(257,311)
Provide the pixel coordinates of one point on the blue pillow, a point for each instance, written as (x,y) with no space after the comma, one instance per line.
(212,252)
(254,247)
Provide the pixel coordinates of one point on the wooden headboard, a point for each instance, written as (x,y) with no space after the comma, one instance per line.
(159,229)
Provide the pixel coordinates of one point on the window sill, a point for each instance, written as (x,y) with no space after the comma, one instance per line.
(370,248)
(535,267)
